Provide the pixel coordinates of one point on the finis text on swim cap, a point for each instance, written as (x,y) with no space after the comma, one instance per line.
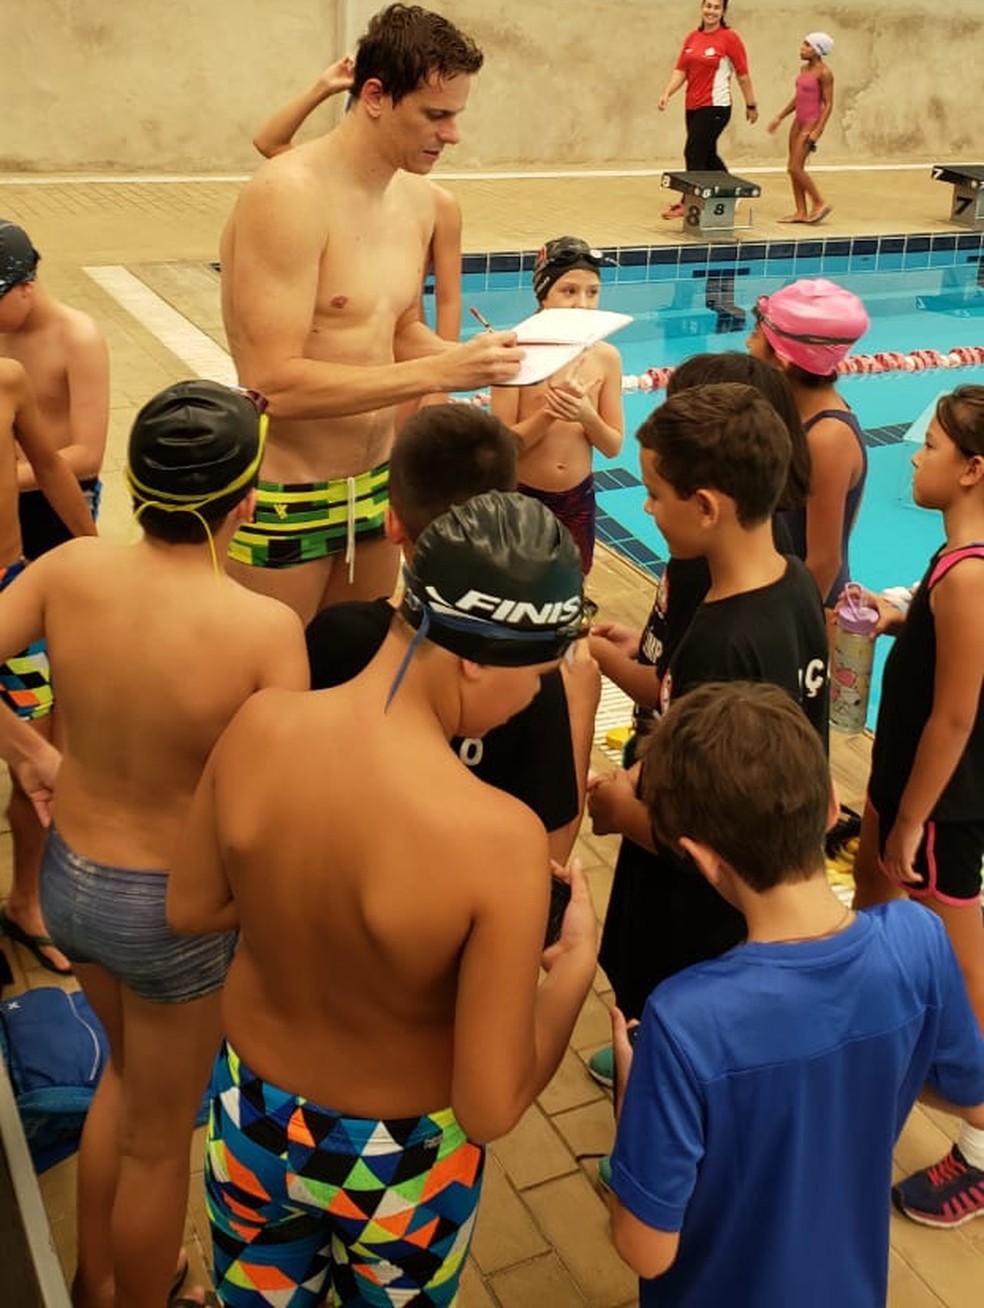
(514,612)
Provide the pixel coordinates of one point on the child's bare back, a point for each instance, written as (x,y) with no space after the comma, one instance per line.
(365,923)
(392,906)
(164,654)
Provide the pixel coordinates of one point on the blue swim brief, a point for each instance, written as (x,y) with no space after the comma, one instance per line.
(116,917)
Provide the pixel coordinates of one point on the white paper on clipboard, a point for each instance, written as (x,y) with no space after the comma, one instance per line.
(555,337)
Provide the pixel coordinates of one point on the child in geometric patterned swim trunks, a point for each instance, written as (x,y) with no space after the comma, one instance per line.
(368,1059)
(357,1194)
(138,731)
(25,682)
(25,679)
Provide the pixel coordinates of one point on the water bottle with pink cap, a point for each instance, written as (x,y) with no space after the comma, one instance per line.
(854,650)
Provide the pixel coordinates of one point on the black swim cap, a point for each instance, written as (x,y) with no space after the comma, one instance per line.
(195,443)
(496,580)
(558,257)
(18,257)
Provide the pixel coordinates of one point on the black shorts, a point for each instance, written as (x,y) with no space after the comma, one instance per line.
(41,527)
(948,860)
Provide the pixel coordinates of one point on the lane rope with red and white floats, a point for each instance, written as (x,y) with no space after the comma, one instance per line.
(961,356)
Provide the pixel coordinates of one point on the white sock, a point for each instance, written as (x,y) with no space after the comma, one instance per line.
(971,1144)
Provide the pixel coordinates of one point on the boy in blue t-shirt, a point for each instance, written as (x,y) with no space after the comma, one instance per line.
(768,1086)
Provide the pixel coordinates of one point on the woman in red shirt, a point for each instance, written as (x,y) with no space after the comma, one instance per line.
(709,56)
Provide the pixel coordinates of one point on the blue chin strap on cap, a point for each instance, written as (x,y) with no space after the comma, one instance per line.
(495,580)
(419,636)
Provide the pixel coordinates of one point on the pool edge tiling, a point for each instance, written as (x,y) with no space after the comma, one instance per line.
(830,254)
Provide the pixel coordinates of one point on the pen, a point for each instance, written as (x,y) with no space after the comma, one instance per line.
(481,318)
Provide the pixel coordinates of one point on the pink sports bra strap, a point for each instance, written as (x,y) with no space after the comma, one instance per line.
(944,564)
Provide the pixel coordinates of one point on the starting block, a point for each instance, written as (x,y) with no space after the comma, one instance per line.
(967,180)
(709,201)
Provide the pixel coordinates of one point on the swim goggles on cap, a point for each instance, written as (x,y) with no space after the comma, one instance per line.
(171,502)
(557,256)
(563,253)
(804,338)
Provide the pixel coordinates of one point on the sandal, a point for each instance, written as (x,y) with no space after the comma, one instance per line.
(33,944)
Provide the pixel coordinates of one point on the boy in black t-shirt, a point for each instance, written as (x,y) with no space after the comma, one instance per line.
(714,460)
(445,455)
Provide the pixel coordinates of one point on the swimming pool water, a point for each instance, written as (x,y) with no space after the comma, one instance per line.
(921,292)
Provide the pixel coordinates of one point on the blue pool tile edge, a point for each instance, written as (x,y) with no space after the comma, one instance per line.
(844,253)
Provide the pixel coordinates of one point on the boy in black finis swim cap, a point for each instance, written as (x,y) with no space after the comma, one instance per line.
(496,581)
(153,649)
(443,456)
(378,886)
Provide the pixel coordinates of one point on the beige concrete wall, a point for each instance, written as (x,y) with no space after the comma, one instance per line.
(151,85)
(90,85)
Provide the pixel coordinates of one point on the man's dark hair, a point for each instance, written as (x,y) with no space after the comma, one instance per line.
(404,44)
(737,766)
(445,454)
(723,437)
(733,366)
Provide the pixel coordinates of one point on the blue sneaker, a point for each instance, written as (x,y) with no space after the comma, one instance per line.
(605,1170)
(949,1193)
(601,1065)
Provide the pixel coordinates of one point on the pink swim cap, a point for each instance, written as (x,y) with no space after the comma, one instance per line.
(812,323)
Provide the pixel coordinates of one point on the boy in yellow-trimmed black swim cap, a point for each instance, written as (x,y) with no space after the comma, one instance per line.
(169,649)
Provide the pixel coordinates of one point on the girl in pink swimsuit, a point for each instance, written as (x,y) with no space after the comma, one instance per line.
(812,103)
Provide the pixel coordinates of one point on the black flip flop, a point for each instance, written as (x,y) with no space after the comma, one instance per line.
(33,944)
